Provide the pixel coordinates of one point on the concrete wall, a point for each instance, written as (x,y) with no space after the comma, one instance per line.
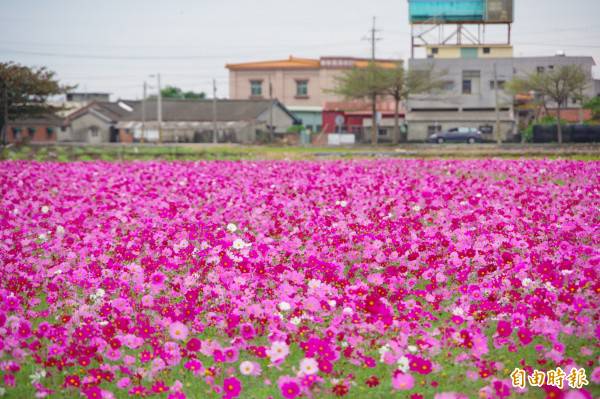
(81,129)
(281,120)
(454,51)
(310,120)
(320,81)
(418,123)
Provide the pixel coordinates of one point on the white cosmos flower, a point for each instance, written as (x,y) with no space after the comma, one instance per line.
(284,306)
(43,236)
(416,208)
(412,348)
(45,209)
(246,367)
(309,366)
(313,283)
(295,320)
(458,312)
(37,376)
(526,282)
(347,310)
(240,244)
(60,230)
(232,228)
(332,302)
(403,364)
(278,351)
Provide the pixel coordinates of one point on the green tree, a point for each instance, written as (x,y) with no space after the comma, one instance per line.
(24,91)
(176,92)
(399,84)
(363,83)
(594,106)
(556,86)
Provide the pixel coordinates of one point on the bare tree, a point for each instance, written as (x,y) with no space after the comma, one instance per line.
(360,83)
(557,86)
(400,84)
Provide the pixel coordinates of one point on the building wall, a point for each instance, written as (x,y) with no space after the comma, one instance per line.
(312,120)
(419,123)
(484,96)
(82,129)
(33,133)
(454,51)
(283,82)
(281,120)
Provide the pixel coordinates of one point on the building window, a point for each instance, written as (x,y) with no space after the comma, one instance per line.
(466,89)
(501,84)
(435,50)
(256,88)
(471,81)
(302,88)
(540,69)
(550,67)
(94,131)
(49,132)
(487,50)
(31,132)
(317,128)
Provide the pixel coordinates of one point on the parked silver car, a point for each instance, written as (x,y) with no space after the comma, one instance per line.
(458,134)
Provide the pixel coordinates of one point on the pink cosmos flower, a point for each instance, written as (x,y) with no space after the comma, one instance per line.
(178,331)
(309,366)
(403,382)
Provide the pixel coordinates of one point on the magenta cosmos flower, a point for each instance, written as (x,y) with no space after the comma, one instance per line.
(231,387)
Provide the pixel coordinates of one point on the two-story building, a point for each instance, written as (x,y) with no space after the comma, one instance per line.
(303,85)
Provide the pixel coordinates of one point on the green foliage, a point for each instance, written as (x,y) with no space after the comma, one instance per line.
(27,90)
(176,92)
(594,106)
(295,129)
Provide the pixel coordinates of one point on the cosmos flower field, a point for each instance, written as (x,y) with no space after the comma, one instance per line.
(359,279)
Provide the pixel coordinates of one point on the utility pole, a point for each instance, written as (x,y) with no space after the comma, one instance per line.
(159,109)
(214,111)
(374,124)
(4,111)
(144,94)
(271,130)
(497,128)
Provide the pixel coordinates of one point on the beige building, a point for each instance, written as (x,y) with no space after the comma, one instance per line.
(294,81)
(303,85)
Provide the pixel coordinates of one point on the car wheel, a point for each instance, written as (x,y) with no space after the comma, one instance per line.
(440,140)
(471,140)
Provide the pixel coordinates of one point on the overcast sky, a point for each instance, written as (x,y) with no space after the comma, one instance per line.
(113,45)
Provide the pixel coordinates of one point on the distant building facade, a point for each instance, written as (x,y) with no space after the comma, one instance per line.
(303,85)
(468,98)
(238,121)
(356,117)
(96,122)
(46,128)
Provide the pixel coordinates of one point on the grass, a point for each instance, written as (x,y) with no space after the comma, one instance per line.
(182,152)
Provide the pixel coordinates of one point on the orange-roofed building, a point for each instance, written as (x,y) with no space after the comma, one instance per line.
(303,85)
